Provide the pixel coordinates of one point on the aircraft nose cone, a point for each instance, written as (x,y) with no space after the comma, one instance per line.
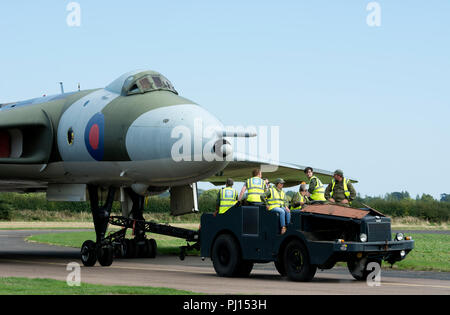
(223,149)
(181,133)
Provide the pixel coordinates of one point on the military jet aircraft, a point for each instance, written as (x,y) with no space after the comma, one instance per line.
(119,141)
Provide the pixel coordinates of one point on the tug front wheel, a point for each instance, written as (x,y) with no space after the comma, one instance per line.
(296,262)
(358,268)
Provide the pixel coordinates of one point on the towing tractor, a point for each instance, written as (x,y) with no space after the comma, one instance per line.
(318,237)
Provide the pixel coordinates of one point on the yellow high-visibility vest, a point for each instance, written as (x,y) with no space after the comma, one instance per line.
(346,191)
(319,191)
(276,199)
(302,199)
(228,198)
(255,189)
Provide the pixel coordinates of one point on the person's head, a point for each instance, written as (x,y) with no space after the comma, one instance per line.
(309,172)
(230,182)
(303,189)
(257,172)
(339,175)
(279,183)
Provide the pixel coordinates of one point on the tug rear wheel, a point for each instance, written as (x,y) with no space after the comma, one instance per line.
(226,256)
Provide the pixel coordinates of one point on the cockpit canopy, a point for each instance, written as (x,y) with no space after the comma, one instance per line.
(139,82)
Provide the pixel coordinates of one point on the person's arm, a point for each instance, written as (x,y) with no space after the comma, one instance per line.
(312,186)
(328,193)
(286,202)
(264,197)
(352,191)
(243,190)
(295,201)
(217,204)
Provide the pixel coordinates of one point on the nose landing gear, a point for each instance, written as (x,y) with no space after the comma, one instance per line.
(101,250)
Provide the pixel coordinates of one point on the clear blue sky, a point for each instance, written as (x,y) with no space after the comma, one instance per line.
(373,101)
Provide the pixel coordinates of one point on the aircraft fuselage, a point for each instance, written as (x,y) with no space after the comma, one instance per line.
(122,134)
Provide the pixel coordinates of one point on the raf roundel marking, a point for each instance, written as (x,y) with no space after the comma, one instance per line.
(94,136)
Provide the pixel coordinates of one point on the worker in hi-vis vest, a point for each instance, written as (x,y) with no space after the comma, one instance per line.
(275,200)
(316,188)
(340,190)
(300,199)
(227,198)
(255,188)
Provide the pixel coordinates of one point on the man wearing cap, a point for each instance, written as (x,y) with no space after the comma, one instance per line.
(275,200)
(340,190)
(300,199)
(227,198)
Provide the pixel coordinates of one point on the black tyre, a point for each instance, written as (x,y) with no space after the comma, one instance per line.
(141,248)
(226,256)
(129,248)
(280,268)
(296,262)
(119,250)
(358,268)
(244,269)
(105,256)
(88,254)
(152,248)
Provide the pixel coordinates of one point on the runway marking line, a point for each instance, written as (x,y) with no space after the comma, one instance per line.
(201,272)
(111,267)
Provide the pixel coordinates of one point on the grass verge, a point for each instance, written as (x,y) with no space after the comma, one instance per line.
(431,253)
(24,286)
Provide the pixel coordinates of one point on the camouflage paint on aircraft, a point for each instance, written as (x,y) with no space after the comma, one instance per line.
(117,135)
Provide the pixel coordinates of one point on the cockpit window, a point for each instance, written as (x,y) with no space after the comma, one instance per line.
(139,82)
(149,83)
(158,82)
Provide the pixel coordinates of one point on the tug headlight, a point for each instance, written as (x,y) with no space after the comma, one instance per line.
(363,237)
(399,236)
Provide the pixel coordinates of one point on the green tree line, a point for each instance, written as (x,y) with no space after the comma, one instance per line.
(395,204)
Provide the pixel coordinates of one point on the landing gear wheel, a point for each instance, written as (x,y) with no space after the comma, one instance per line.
(88,254)
(358,267)
(105,256)
(129,248)
(152,248)
(226,256)
(296,262)
(119,250)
